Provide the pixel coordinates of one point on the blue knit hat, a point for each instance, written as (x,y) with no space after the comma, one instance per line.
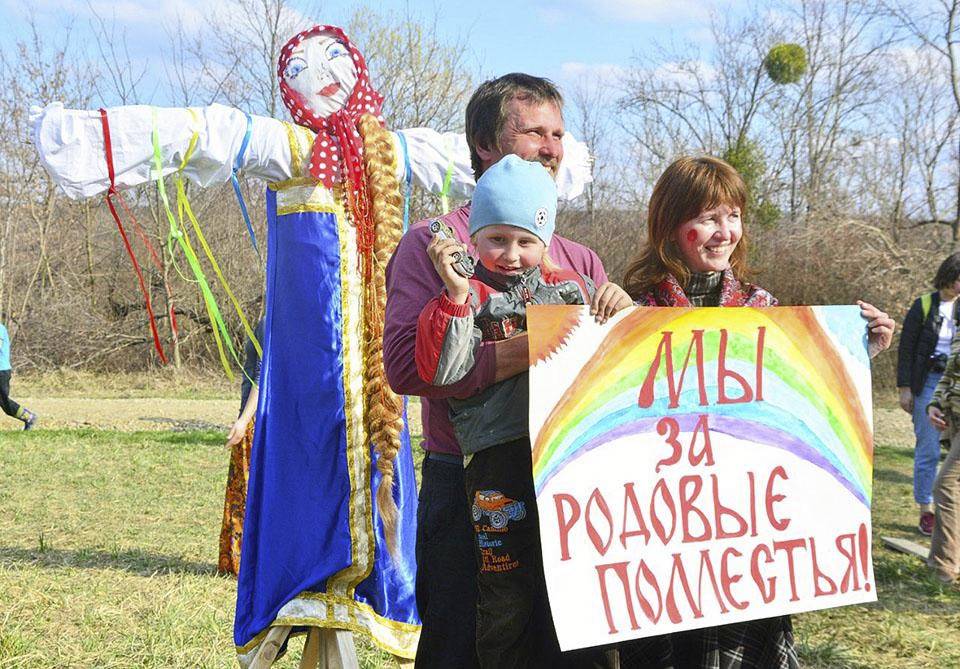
(517,192)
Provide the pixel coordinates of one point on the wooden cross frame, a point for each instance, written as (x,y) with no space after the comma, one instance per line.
(325,648)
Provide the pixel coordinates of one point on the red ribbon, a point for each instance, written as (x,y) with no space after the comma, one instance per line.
(108,149)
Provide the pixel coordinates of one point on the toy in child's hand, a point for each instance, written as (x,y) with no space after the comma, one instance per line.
(462,263)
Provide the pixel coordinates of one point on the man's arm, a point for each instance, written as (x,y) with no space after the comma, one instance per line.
(512,357)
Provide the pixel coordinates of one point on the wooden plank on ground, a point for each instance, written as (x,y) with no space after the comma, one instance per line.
(906,546)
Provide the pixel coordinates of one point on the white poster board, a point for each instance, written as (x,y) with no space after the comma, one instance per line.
(698,467)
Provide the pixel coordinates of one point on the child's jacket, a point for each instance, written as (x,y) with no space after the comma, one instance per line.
(449,334)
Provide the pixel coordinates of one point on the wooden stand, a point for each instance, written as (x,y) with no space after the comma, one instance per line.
(324,649)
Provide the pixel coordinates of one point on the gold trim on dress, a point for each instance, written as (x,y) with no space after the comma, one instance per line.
(317,609)
(297,136)
(360,514)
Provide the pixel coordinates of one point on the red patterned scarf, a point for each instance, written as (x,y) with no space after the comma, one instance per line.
(669,293)
(337,153)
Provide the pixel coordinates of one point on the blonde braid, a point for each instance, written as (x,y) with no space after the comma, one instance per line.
(384,408)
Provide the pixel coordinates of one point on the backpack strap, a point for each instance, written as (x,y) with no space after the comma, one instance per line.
(926,300)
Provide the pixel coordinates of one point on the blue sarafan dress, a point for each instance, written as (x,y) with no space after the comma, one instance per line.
(313,553)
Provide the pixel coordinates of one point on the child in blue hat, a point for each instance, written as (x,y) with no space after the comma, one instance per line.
(512,219)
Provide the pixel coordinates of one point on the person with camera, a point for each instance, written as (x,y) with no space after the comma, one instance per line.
(924,348)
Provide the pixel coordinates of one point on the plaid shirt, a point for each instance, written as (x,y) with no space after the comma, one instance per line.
(755,644)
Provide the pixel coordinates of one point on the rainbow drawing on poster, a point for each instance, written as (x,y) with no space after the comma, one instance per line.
(811,405)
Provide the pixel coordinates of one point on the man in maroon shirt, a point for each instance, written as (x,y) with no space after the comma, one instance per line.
(514,114)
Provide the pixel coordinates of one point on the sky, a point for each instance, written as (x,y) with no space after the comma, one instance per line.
(560,39)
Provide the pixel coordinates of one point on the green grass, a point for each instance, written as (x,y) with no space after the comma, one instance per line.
(108,547)
(108,544)
(915,621)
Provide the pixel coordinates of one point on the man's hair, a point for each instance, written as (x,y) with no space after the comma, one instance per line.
(948,272)
(687,187)
(487,109)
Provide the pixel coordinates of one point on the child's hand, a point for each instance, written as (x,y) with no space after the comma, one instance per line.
(608,300)
(443,254)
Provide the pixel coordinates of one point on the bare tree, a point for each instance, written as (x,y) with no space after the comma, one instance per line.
(425,81)
(936,26)
(238,51)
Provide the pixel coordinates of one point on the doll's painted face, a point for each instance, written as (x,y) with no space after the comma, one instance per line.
(320,70)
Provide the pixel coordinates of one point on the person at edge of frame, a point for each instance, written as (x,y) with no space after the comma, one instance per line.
(7,403)
(928,328)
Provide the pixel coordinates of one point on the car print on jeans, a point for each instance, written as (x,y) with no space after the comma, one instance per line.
(499,508)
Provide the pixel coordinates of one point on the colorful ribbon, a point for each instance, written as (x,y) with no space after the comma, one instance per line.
(445,191)
(108,150)
(183,205)
(213,311)
(407,181)
(237,164)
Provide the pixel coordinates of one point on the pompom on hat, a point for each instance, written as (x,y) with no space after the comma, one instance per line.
(516,192)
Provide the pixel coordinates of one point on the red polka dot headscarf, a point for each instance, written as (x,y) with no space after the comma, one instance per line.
(337,150)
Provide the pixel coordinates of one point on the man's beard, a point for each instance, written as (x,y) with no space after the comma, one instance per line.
(552,165)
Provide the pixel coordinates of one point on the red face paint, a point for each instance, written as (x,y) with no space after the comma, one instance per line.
(691,235)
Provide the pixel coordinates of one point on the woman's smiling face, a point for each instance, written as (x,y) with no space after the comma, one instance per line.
(707,240)
(321,71)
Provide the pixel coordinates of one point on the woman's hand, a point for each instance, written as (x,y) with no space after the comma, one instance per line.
(236,432)
(443,254)
(906,400)
(608,300)
(937,419)
(879,328)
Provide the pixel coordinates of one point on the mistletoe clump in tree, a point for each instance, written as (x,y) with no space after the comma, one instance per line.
(785,63)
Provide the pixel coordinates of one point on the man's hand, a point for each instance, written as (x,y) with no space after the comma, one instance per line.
(443,254)
(906,400)
(608,300)
(937,419)
(512,357)
(879,328)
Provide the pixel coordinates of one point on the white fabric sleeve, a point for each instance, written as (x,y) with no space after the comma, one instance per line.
(430,153)
(70,145)
(71,148)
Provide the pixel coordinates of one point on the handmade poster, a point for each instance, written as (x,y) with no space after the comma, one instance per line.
(698,467)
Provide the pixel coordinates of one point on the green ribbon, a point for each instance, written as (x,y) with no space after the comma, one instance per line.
(213,311)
